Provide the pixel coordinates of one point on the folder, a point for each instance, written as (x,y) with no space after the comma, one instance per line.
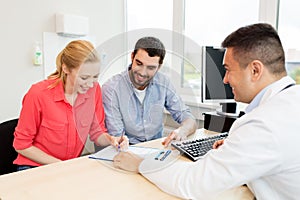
(108,153)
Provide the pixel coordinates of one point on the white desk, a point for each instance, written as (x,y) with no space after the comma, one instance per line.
(84,178)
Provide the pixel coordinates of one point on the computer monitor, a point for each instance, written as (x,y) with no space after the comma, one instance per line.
(213,89)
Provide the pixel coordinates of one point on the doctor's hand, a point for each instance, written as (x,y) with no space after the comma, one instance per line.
(127,161)
(217,144)
(177,134)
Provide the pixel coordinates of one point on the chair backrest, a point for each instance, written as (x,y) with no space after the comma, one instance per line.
(7,151)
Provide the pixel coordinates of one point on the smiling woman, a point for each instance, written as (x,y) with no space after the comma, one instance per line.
(82,78)
(59,113)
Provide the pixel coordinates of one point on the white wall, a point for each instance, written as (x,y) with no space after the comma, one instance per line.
(23,23)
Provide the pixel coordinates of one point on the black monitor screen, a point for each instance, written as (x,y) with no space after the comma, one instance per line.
(213,71)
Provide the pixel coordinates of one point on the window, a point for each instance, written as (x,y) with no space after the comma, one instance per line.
(150,18)
(289,31)
(149,14)
(207,24)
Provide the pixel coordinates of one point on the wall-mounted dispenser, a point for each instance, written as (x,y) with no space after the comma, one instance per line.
(37,54)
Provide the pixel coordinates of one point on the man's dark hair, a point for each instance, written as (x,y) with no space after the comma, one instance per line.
(153,46)
(257,42)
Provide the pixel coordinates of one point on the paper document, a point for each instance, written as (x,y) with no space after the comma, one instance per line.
(109,152)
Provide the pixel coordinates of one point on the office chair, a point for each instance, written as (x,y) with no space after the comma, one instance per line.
(7,151)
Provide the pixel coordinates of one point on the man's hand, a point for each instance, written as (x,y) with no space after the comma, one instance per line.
(177,134)
(127,161)
(217,144)
(187,127)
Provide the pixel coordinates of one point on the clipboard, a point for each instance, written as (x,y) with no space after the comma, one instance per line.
(108,153)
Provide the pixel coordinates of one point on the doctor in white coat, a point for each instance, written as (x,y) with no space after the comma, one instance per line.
(262,147)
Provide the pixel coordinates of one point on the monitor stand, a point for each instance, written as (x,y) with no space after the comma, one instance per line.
(218,123)
(221,120)
(227,109)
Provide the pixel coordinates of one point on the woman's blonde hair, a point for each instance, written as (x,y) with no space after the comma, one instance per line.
(72,56)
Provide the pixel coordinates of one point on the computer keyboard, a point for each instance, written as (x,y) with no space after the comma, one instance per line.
(195,149)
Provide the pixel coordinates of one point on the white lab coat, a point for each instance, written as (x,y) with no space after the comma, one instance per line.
(261,151)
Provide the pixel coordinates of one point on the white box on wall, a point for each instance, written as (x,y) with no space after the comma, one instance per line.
(72,25)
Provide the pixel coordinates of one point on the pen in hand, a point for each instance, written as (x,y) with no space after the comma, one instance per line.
(121,140)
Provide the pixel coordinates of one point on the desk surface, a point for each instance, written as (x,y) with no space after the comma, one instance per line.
(84,178)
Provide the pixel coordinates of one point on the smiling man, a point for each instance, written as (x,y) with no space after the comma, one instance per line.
(134,100)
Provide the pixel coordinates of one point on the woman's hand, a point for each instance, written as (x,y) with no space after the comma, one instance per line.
(121,142)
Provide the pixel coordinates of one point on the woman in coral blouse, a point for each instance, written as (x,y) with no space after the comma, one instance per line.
(59,113)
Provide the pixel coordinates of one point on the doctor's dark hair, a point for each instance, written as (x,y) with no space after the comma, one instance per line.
(153,46)
(257,42)
(73,56)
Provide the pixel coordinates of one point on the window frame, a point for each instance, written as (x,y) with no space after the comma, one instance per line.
(268,12)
